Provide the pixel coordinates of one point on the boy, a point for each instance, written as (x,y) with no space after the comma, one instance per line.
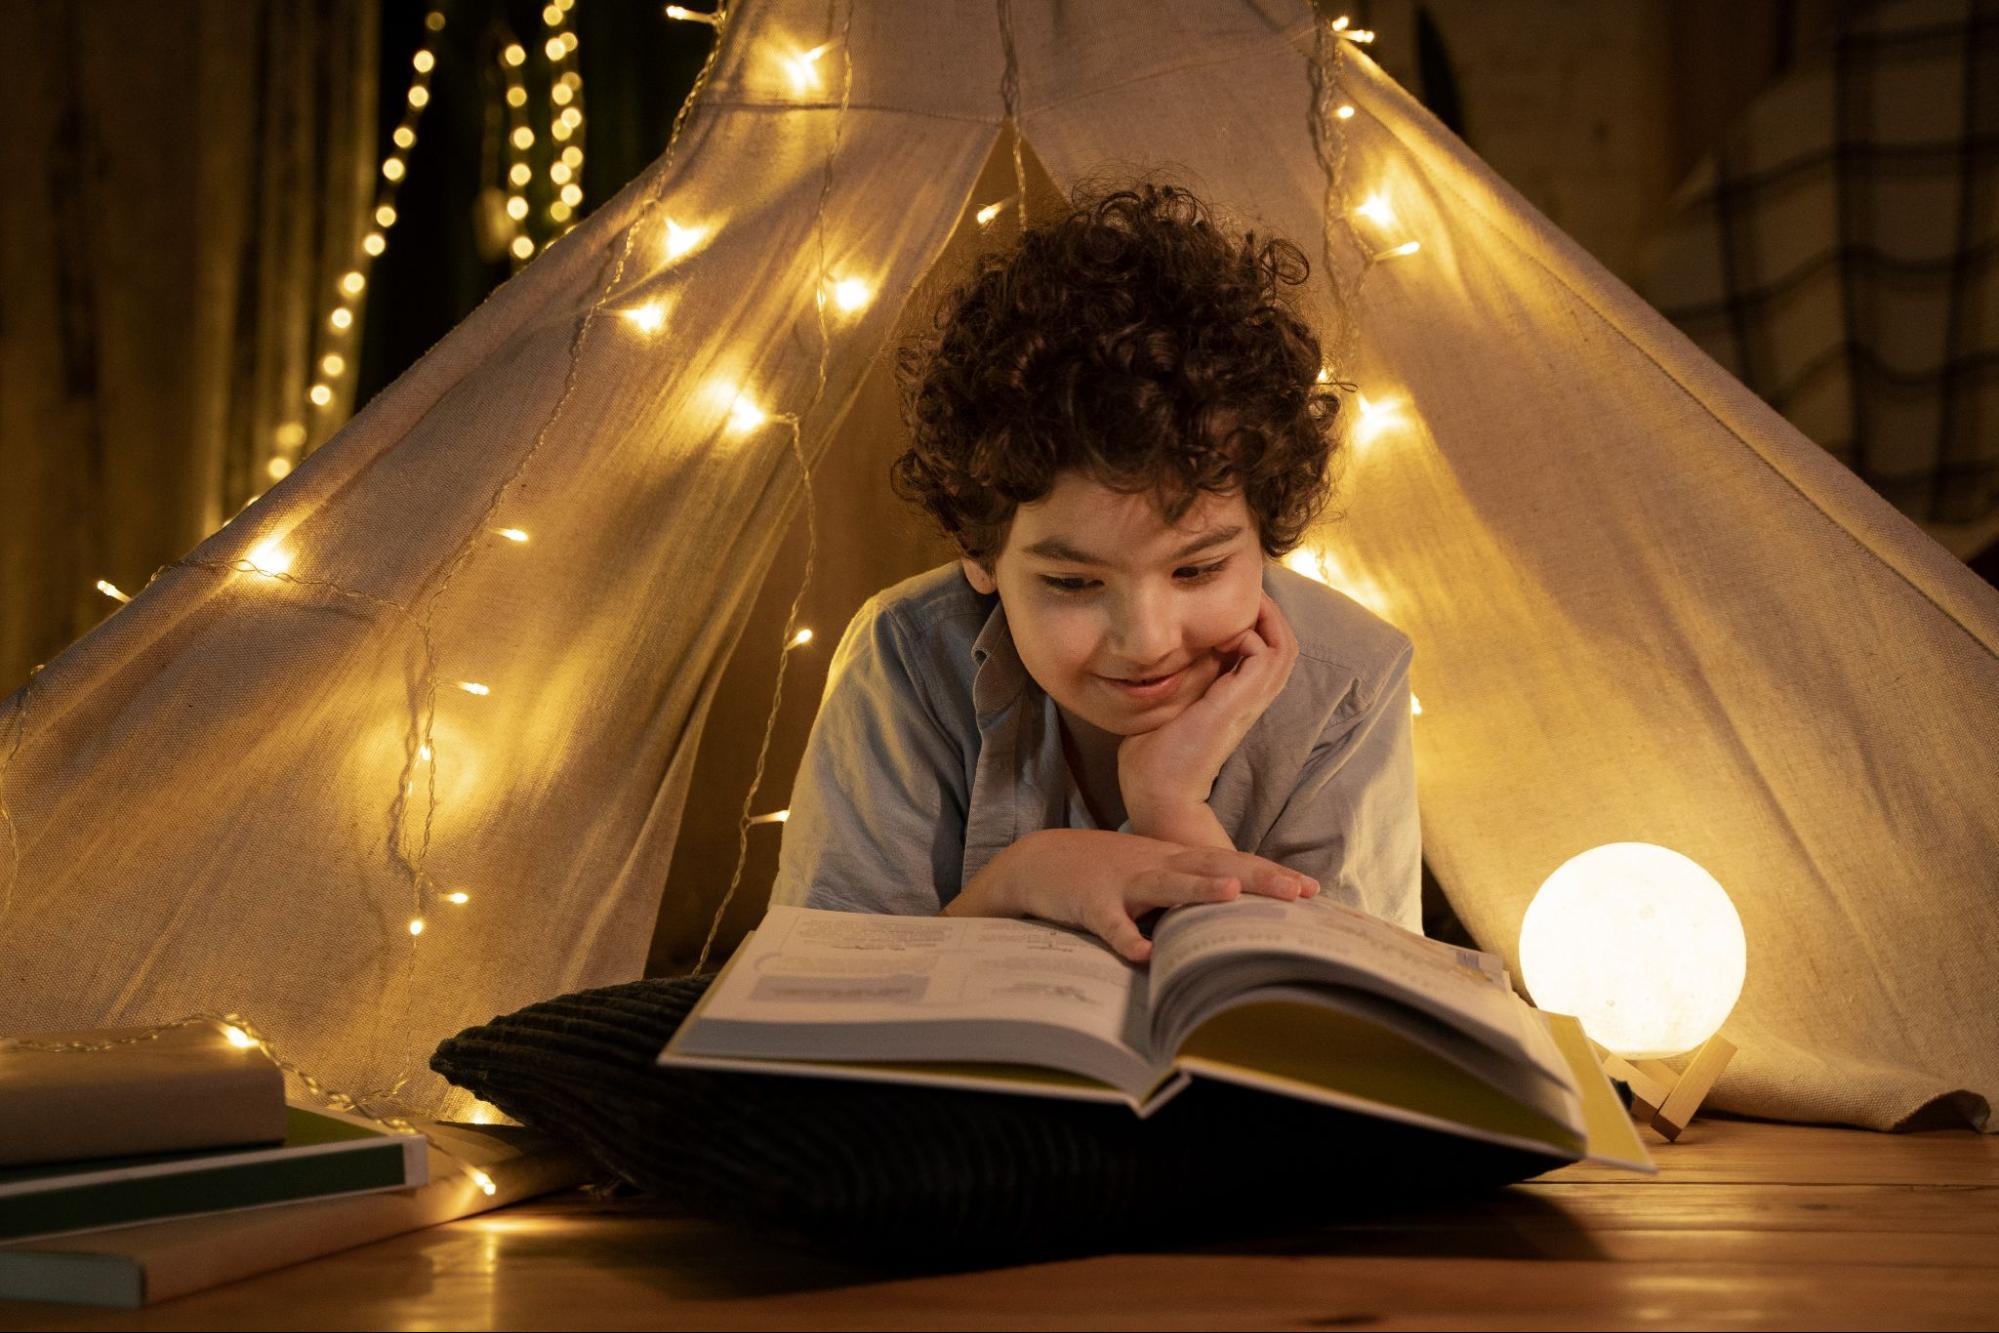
(1116,700)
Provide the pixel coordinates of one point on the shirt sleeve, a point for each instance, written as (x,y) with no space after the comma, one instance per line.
(877,819)
(1351,821)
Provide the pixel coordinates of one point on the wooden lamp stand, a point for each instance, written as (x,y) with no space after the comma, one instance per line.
(1660,1096)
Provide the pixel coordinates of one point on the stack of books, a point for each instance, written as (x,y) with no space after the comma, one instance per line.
(152,1168)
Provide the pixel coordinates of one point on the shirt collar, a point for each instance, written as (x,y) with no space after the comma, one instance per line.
(1000,674)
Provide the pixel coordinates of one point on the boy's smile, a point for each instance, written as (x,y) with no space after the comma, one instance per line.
(1118,615)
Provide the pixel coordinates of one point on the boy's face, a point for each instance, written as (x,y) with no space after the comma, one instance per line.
(1100,592)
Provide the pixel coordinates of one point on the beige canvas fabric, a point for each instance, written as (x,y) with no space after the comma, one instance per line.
(1644,607)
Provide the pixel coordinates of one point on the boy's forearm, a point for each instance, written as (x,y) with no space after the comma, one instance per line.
(1190,825)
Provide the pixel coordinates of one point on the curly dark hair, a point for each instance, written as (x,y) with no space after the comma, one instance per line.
(1136,341)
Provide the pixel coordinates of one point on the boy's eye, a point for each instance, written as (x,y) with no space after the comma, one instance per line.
(1186,574)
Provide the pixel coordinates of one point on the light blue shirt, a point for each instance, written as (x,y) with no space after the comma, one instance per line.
(934,749)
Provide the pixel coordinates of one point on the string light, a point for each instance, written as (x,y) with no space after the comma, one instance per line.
(1376,210)
(1375,418)
(565,120)
(851,294)
(513,534)
(799,640)
(474,687)
(804,68)
(269,558)
(1415,706)
(774,817)
(460,897)
(238,1038)
(519,139)
(648,318)
(686,15)
(681,240)
(1345,113)
(1406,248)
(483,1181)
(416,925)
(986,215)
(111,590)
(277,469)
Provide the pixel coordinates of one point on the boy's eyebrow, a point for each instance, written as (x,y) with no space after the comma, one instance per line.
(1054,548)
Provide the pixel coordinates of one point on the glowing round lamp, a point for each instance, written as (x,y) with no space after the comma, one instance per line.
(1640,944)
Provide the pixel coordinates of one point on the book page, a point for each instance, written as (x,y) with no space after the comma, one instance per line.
(806,967)
(1465,988)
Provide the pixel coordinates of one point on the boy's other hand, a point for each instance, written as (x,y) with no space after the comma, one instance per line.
(1175,766)
(1103,881)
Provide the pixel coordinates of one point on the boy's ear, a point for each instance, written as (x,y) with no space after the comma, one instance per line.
(976,575)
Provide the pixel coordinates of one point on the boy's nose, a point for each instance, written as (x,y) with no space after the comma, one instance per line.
(1141,637)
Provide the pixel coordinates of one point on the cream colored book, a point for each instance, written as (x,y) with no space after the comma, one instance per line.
(1306,999)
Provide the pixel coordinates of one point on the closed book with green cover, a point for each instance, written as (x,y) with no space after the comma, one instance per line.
(323,1155)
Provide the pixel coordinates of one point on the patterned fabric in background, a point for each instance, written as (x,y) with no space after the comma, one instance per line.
(1837,253)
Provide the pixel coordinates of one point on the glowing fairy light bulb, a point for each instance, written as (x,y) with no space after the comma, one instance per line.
(419,97)
(385,216)
(686,15)
(1324,376)
(517,207)
(404,136)
(991,211)
(424,62)
(1415,706)
(1639,943)
(423,753)
(1344,113)
(374,243)
(1375,418)
(513,534)
(392,168)
(515,55)
(1406,248)
(804,68)
(523,137)
(774,817)
(110,590)
(523,247)
(474,687)
(680,240)
(341,318)
(353,282)
(800,639)
(484,1182)
(237,1037)
(1303,560)
(320,395)
(744,415)
(648,318)
(1376,210)
(416,925)
(278,469)
(1340,24)
(851,294)
(269,558)
(459,897)
(333,364)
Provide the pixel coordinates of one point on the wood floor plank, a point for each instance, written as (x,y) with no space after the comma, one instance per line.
(1748,1225)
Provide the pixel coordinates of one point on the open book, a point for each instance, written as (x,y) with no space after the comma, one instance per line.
(1310,999)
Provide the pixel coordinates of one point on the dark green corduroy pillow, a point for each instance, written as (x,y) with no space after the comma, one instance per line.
(918,1176)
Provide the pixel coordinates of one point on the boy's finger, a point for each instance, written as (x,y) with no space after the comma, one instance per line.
(1122,934)
(1174,887)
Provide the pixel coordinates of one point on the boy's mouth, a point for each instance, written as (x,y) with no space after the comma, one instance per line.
(1144,687)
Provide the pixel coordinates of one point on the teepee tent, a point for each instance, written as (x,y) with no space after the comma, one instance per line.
(367,767)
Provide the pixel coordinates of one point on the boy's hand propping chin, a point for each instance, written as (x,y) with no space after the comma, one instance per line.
(1174,767)
(1103,881)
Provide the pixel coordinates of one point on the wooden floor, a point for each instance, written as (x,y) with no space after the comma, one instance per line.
(1748,1225)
